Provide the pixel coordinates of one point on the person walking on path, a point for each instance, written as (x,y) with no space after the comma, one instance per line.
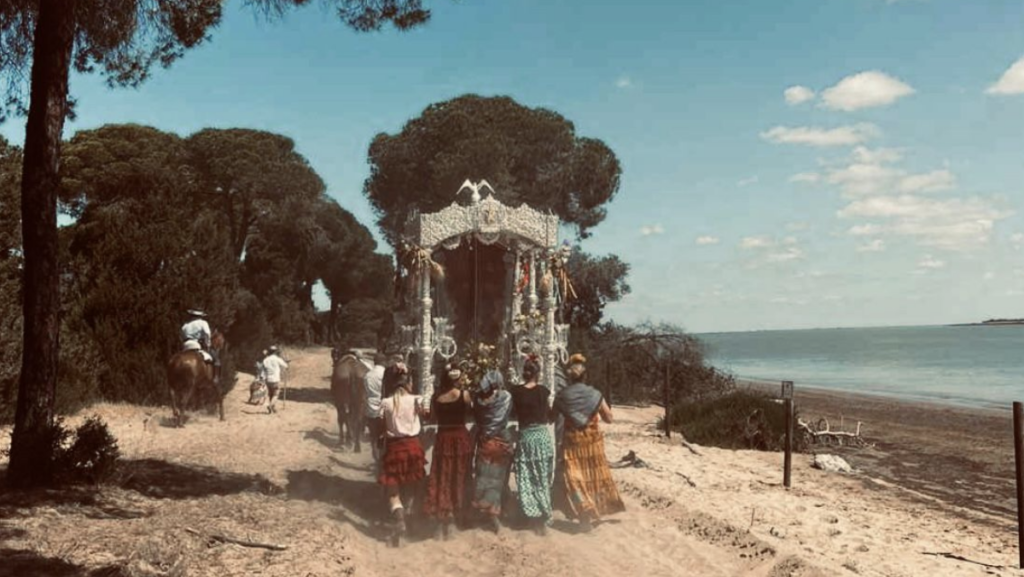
(275,368)
(491,408)
(402,467)
(449,466)
(585,477)
(534,457)
(373,384)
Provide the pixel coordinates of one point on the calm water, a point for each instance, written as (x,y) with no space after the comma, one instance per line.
(976,366)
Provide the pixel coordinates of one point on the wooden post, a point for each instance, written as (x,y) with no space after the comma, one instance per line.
(608,381)
(668,409)
(1018,453)
(787,463)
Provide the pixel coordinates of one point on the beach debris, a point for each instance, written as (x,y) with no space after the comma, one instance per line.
(632,461)
(949,555)
(213,538)
(832,464)
(691,447)
(822,434)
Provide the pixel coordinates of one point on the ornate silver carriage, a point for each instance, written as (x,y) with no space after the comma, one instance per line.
(483,272)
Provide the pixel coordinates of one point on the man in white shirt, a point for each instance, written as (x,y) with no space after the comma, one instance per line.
(275,368)
(373,383)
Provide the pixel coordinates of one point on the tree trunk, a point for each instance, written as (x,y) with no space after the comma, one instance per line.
(31,448)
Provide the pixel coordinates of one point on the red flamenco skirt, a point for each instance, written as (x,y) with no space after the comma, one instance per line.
(404,462)
(449,473)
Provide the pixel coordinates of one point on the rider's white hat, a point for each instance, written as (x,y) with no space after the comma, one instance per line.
(196,313)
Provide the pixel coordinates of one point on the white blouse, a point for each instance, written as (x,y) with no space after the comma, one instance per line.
(402,414)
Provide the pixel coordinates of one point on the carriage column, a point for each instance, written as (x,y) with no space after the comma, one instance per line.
(549,338)
(426,344)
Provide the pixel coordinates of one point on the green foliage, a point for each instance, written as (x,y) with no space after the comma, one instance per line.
(89,454)
(10,277)
(632,364)
(596,282)
(529,155)
(741,419)
(93,456)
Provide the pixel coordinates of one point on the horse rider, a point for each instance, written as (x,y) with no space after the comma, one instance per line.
(197,330)
(274,367)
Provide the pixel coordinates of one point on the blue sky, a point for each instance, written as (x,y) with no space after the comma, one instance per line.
(787,164)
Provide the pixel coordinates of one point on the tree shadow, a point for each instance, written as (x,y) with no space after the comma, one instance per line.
(8,533)
(309,395)
(164,480)
(20,563)
(363,503)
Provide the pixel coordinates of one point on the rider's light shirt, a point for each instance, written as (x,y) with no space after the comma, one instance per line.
(198,330)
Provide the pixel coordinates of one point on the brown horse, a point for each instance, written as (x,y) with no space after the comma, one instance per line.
(187,374)
(349,396)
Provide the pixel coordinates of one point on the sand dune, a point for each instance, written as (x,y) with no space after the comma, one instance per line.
(279,479)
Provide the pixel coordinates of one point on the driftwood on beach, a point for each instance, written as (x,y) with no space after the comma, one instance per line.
(822,434)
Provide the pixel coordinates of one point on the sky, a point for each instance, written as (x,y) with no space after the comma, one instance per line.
(786,164)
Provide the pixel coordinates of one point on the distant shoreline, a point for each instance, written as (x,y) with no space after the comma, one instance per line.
(991,323)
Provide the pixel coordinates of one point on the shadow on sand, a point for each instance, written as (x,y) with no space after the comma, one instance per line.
(325,438)
(161,479)
(362,501)
(309,395)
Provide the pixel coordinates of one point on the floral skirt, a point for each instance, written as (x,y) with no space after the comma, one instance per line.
(449,473)
(586,477)
(492,460)
(404,462)
(533,465)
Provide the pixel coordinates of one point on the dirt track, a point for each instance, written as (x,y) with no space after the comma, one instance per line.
(280,480)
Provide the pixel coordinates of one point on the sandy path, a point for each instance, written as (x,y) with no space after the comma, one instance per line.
(280,479)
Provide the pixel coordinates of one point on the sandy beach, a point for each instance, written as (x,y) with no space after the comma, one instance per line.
(279,480)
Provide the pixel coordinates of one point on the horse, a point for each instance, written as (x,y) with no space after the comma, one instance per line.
(349,395)
(189,373)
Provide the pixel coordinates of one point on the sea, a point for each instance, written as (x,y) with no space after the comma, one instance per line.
(974,366)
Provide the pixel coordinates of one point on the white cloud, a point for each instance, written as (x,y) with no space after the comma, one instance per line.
(798,95)
(751,242)
(951,224)
(624,82)
(869,172)
(930,262)
(811,136)
(787,254)
(868,229)
(876,245)
(989,275)
(1017,239)
(865,90)
(652,229)
(807,177)
(707,240)
(865,155)
(1011,82)
(747,181)
(934,181)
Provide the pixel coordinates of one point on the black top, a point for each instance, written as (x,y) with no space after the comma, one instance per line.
(452,413)
(531,405)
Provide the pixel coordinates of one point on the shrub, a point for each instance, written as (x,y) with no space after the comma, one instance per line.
(92,457)
(741,419)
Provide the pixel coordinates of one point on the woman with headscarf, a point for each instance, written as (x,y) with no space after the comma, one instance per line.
(404,462)
(491,407)
(534,458)
(585,477)
(449,467)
